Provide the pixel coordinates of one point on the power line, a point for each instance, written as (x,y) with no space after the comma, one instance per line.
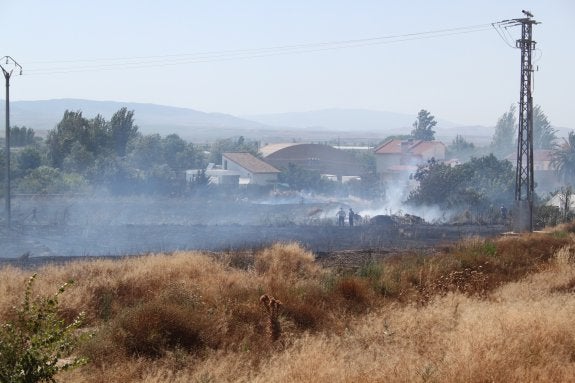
(226,55)
(501,33)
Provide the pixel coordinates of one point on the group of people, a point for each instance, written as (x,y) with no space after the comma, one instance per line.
(341,217)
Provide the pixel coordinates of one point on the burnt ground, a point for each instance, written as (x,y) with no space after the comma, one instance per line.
(56,228)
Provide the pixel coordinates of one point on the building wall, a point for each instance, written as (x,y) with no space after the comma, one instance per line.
(255,178)
(436,151)
(231,165)
(264,178)
(385,161)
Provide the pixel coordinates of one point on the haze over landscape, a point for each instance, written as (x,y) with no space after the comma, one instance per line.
(260,60)
(287,191)
(199,126)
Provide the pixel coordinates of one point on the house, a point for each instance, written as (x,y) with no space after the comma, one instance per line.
(545,176)
(323,159)
(398,159)
(251,170)
(215,175)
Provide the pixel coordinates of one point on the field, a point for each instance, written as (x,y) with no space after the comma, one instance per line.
(477,310)
(76,227)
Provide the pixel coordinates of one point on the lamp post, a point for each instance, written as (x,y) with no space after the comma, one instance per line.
(8,61)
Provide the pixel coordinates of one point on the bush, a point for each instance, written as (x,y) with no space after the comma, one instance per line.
(36,343)
(152,328)
(286,261)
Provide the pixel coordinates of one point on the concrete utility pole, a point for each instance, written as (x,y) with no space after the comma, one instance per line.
(7,74)
(524,182)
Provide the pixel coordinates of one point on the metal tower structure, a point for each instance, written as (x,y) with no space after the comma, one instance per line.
(524,182)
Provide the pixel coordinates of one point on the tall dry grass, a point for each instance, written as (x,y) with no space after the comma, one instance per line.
(480,310)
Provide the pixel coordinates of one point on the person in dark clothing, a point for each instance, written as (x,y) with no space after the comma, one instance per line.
(351,217)
(340,217)
(503,212)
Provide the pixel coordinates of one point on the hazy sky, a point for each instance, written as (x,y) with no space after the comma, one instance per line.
(69,49)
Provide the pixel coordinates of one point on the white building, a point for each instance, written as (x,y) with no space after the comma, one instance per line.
(251,170)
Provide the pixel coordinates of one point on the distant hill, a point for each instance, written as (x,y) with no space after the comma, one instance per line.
(352,126)
(345,119)
(151,118)
(362,120)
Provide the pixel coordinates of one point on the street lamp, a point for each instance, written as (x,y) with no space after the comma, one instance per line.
(7,71)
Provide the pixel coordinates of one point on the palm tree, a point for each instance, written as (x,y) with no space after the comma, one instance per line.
(563,159)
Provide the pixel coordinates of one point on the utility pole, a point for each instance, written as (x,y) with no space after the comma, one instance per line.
(524,182)
(7,74)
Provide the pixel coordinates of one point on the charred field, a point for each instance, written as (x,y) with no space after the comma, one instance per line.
(50,228)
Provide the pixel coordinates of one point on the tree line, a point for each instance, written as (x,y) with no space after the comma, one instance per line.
(485,178)
(82,153)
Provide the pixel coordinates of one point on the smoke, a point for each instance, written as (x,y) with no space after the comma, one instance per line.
(102,225)
(111,225)
(394,203)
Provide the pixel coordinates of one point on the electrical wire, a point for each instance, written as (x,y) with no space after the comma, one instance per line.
(106,64)
(501,34)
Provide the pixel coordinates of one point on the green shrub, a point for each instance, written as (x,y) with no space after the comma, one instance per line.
(37,343)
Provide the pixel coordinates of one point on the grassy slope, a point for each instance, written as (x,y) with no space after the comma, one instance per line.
(480,310)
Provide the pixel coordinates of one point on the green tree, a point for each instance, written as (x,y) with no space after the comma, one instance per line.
(423,126)
(100,141)
(47,180)
(116,174)
(460,148)
(37,343)
(505,136)
(563,159)
(74,132)
(28,159)
(479,183)
(147,152)
(180,155)
(122,130)
(72,128)
(299,179)
(544,135)
(231,145)
(21,136)
(79,159)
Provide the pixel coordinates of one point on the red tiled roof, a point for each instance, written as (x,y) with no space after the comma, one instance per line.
(413,147)
(422,146)
(389,147)
(251,163)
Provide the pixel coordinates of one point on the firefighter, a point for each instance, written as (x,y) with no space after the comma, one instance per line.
(351,216)
(341,217)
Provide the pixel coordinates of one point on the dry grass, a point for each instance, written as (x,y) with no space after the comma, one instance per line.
(480,310)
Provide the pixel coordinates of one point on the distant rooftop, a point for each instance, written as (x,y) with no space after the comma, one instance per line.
(414,147)
(272,148)
(251,163)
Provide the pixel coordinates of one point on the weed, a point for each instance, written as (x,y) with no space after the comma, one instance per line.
(272,307)
(568,287)
(354,291)
(37,344)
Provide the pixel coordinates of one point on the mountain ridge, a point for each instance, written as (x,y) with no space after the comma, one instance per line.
(323,124)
